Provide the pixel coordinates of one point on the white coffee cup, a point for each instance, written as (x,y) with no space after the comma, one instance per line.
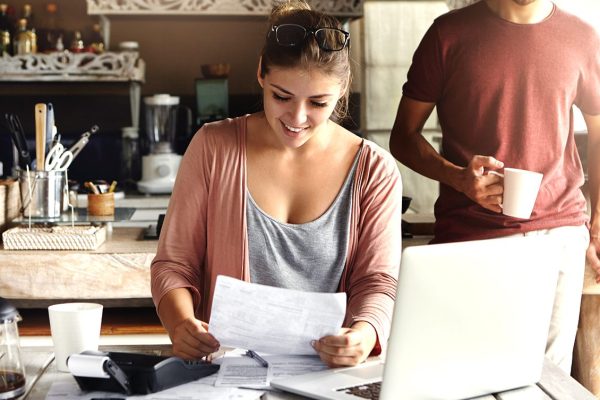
(520,191)
(75,327)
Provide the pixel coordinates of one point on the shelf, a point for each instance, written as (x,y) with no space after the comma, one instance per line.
(81,216)
(65,66)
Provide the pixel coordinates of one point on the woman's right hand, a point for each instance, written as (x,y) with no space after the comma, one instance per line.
(191,340)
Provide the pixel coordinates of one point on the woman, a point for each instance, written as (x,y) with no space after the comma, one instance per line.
(285,197)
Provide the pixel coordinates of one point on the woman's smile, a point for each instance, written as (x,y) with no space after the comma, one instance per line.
(293,131)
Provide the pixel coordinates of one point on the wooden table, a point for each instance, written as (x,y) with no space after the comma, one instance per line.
(41,373)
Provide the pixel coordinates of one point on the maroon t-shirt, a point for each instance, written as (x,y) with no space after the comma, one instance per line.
(506,90)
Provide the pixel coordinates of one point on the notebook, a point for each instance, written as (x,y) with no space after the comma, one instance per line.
(470,319)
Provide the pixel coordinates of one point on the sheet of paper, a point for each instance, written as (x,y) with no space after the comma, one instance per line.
(242,372)
(273,320)
(284,366)
(245,372)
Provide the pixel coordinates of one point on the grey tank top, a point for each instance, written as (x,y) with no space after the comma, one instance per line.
(309,256)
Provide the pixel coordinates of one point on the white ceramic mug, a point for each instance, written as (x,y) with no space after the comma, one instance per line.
(520,191)
(75,327)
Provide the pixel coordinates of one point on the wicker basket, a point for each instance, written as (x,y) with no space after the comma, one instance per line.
(54,238)
(10,201)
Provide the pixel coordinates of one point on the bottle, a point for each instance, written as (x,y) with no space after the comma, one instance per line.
(5,31)
(49,32)
(4,43)
(96,40)
(76,43)
(27,14)
(60,45)
(25,40)
(5,23)
(130,157)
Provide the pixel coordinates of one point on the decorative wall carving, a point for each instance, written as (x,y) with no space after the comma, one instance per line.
(346,8)
(66,66)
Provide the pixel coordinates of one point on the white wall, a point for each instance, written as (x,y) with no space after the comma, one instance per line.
(392,32)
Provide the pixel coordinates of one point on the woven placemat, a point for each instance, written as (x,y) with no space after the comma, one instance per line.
(85,237)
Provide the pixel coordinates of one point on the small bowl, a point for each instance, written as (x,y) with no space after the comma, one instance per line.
(215,70)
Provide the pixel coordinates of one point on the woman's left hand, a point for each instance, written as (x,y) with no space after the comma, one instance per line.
(351,347)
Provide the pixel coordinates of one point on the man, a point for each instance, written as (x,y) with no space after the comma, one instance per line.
(504,75)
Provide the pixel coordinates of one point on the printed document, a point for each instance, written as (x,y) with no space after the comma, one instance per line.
(273,320)
(244,372)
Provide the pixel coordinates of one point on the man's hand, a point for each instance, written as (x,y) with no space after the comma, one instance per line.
(191,340)
(483,188)
(593,254)
(351,347)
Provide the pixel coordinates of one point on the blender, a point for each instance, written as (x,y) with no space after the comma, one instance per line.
(159,166)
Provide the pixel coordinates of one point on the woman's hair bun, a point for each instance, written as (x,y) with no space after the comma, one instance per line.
(282,8)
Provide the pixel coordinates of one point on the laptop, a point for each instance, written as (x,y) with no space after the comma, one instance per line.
(470,319)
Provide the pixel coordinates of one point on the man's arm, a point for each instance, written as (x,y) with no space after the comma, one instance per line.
(593,128)
(409,147)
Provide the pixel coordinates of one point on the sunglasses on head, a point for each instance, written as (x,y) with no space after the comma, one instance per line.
(328,39)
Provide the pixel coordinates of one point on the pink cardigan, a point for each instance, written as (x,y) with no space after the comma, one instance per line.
(204,232)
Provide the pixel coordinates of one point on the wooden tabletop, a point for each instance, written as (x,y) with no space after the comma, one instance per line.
(41,373)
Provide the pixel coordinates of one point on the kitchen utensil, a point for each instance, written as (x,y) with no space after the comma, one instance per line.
(40,135)
(12,370)
(58,158)
(49,125)
(76,148)
(15,128)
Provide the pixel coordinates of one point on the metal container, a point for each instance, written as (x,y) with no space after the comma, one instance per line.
(42,193)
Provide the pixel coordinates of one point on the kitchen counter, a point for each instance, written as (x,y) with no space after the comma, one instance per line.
(117,272)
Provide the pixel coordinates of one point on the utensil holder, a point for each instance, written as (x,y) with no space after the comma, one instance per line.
(101,204)
(42,193)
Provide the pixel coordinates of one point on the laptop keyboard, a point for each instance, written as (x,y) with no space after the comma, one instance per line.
(365,391)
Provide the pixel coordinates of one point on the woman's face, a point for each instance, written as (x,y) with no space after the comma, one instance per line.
(298,103)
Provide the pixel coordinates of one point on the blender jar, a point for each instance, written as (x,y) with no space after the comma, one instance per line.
(161,122)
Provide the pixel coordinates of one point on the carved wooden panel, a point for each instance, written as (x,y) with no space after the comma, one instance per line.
(66,66)
(349,8)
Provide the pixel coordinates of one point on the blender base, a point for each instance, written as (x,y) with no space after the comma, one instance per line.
(158,173)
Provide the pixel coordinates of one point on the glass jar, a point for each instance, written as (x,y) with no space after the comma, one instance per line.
(130,157)
(12,371)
